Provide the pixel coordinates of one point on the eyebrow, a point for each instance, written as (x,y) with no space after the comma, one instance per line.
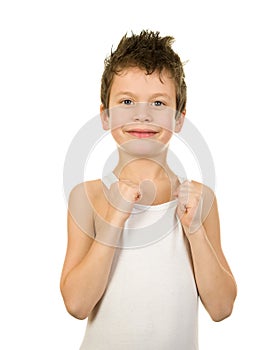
(157,94)
(161,94)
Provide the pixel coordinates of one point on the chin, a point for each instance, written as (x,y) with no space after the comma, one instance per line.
(143,147)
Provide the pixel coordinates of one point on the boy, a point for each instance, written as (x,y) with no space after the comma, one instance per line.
(143,244)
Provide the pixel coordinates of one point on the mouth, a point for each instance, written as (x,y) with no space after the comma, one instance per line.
(142,133)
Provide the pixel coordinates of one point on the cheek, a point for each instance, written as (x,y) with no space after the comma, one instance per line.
(118,117)
(167,125)
(117,134)
(166,136)
(116,123)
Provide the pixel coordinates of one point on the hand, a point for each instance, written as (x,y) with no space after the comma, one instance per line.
(189,207)
(121,196)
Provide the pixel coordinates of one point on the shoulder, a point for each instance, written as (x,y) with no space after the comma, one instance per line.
(90,184)
(90,188)
(204,190)
(88,196)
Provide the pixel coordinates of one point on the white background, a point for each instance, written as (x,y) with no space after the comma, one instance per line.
(52,56)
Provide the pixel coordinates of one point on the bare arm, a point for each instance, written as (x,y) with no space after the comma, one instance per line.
(215,282)
(85,272)
(88,261)
(216,285)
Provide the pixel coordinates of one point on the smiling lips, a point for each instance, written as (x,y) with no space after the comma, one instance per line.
(142,133)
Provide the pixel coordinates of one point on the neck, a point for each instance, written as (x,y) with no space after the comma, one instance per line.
(143,168)
(156,180)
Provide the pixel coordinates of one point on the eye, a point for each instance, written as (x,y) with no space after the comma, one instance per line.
(158,103)
(127,102)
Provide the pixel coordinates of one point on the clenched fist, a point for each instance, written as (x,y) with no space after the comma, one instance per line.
(189,207)
(121,197)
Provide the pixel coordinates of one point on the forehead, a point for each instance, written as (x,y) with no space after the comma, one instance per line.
(136,80)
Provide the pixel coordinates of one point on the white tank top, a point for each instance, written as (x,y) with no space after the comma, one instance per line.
(151,300)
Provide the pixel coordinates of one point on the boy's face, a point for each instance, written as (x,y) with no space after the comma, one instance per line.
(142,111)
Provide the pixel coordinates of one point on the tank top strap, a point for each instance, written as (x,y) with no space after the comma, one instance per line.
(181,179)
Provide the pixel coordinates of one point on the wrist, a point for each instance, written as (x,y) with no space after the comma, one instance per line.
(109,231)
(116,223)
(115,219)
(194,234)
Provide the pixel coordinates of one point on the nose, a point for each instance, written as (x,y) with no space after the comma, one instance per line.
(142,112)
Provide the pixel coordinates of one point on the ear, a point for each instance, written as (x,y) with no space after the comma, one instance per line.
(179,121)
(104,117)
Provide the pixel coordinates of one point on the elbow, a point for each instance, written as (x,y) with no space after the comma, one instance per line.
(221,312)
(75,308)
(76,313)
(74,305)
(220,315)
(222,307)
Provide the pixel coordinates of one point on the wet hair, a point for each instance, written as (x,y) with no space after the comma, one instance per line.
(149,52)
